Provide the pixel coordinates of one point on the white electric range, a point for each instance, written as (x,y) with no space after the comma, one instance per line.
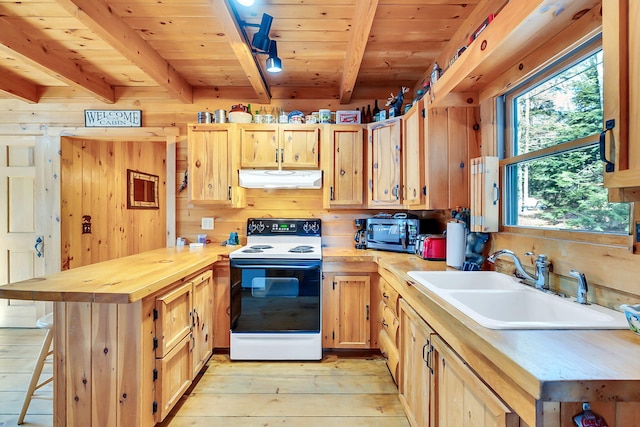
(276,289)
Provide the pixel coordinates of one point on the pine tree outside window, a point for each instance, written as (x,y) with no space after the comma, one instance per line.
(553,175)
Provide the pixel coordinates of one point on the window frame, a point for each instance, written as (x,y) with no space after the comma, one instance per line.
(505,139)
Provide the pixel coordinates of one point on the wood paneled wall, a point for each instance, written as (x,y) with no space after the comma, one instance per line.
(94,183)
(22,119)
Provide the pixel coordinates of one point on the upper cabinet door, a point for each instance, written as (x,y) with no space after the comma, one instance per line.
(259,146)
(413,155)
(385,165)
(211,162)
(342,162)
(620,144)
(278,146)
(299,146)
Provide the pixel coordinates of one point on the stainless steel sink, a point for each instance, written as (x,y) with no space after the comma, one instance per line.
(498,301)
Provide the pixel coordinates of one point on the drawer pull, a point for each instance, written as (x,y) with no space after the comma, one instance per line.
(384,295)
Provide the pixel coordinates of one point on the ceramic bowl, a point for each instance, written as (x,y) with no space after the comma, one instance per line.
(632,312)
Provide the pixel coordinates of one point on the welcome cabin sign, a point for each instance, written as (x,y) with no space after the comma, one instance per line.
(113,118)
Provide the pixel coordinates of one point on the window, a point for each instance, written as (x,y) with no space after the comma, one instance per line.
(553,174)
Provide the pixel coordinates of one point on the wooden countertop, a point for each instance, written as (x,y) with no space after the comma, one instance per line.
(522,366)
(123,280)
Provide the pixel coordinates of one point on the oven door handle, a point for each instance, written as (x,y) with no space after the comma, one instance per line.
(279,266)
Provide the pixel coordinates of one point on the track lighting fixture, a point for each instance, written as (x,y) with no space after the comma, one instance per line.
(262,44)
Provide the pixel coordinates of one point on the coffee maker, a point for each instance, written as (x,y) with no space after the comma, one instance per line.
(361,233)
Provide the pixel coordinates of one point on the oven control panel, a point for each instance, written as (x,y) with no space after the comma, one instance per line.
(286,227)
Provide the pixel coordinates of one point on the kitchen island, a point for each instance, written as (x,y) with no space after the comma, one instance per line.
(108,372)
(130,333)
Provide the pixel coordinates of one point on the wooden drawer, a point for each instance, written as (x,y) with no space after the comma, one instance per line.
(174,376)
(389,295)
(174,317)
(390,353)
(390,323)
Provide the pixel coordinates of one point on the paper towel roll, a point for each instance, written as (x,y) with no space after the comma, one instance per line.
(456,244)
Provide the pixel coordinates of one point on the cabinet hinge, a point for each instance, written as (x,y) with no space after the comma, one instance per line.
(334,285)
(155,375)
(155,343)
(229,193)
(155,314)
(333,335)
(154,407)
(424,190)
(423,113)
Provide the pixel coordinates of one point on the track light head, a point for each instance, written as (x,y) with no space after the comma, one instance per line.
(261,39)
(274,64)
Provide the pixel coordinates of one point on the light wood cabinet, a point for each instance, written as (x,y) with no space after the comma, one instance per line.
(183,338)
(202,320)
(384,164)
(213,164)
(413,157)
(620,145)
(388,338)
(346,311)
(279,146)
(342,162)
(462,396)
(415,386)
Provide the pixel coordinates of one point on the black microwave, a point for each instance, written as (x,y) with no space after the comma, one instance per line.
(393,234)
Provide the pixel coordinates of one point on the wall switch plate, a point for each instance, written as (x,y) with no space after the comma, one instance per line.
(207,223)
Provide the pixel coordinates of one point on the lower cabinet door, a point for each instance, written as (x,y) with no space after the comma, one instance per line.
(462,396)
(174,376)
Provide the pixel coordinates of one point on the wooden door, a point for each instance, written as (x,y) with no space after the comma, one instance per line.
(413,156)
(385,164)
(415,351)
(259,146)
(97,223)
(202,320)
(436,159)
(343,166)
(462,397)
(209,156)
(299,145)
(22,210)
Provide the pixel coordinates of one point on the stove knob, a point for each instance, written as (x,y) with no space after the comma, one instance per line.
(315,227)
(252,227)
(260,227)
(306,227)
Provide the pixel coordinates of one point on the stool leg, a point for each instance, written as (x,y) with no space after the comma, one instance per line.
(33,385)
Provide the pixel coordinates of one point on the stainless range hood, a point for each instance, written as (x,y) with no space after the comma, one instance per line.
(293,179)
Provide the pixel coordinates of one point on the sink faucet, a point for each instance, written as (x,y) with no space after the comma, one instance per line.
(543,266)
(581,298)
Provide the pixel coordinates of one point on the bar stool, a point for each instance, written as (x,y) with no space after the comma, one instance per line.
(45,322)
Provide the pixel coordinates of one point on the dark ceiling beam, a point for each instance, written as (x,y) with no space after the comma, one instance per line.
(236,39)
(365,11)
(38,54)
(100,19)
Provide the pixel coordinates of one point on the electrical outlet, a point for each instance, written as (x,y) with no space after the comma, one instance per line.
(207,223)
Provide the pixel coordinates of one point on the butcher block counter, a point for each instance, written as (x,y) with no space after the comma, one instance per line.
(106,323)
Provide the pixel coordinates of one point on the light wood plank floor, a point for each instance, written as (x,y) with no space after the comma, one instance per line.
(338,391)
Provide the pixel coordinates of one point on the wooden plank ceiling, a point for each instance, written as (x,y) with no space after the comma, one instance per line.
(340,49)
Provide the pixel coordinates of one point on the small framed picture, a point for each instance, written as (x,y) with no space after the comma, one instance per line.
(348,117)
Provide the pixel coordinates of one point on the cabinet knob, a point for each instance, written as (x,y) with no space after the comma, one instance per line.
(198,163)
